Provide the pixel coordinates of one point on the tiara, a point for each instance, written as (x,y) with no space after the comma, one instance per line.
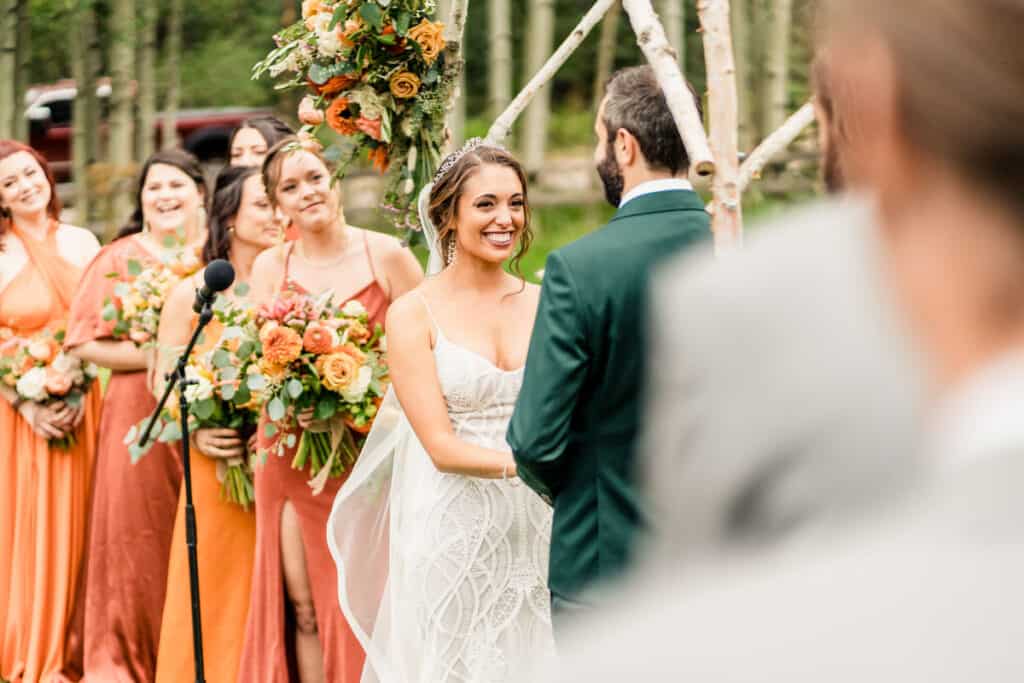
(453,158)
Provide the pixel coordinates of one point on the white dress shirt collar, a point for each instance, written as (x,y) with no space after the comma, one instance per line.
(651,186)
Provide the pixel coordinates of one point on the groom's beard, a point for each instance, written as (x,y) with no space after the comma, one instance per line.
(611,177)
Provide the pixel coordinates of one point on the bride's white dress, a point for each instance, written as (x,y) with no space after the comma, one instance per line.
(443,577)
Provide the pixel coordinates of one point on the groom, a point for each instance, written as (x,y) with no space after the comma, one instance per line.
(576,421)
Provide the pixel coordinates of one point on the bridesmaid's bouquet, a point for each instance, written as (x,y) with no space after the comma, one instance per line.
(324,358)
(39,371)
(227,391)
(139,297)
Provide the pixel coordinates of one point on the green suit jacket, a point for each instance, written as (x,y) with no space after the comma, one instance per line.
(576,421)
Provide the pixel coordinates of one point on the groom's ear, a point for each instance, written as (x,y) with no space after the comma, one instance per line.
(627,149)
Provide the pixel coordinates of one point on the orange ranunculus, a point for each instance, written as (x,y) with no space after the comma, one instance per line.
(272,371)
(404,85)
(281,345)
(318,339)
(57,383)
(378,156)
(369,126)
(337,370)
(334,85)
(428,36)
(339,117)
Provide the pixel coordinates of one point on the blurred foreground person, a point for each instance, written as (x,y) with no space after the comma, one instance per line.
(787,392)
(929,591)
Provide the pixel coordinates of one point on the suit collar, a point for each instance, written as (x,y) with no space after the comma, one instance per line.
(659,202)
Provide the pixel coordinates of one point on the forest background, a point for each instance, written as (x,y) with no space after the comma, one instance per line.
(199,53)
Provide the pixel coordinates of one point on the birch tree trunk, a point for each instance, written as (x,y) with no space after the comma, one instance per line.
(672,16)
(727,212)
(23,60)
(777,62)
(122,139)
(85,114)
(172,65)
(148,12)
(500,56)
(651,39)
(743,57)
(540,36)
(453,14)
(777,141)
(8,66)
(503,124)
(606,49)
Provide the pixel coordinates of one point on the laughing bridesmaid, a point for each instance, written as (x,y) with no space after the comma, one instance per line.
(44,490)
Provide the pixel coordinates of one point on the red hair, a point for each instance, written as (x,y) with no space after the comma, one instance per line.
(9,147)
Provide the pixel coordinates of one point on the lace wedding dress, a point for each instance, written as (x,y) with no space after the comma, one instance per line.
(443,577)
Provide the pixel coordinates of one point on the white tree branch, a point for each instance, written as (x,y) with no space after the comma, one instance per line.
(775,143)
(727,212)
(503,124)
(650,36)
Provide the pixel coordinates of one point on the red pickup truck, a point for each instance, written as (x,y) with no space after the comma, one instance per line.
(204,132)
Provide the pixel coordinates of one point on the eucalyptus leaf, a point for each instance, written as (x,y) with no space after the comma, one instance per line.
(134,267)
(275,409)
(221,359)
(230,333)
(228,391)
(294,388)
(402,22)
(229,374)
(203,409)
(110,312)
(245,349)
(339,14)
(242,289)
(318,73)
(256,382)
(269,430)
(289,441)
(242,395)
(171,432)
(326,407)
(371,12)
(132,435)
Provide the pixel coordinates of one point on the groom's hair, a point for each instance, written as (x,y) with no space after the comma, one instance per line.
(635,101)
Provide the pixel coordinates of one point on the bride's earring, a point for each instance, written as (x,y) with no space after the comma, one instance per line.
(451,249)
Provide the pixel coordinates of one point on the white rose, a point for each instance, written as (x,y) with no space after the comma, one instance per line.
(65,364)
(357,389)
(353,309)
(32,384)
(328,43)
(201,390)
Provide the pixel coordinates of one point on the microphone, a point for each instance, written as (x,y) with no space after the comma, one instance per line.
(217,277)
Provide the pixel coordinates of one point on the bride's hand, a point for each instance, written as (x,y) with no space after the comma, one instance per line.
(220,443)
(311,424)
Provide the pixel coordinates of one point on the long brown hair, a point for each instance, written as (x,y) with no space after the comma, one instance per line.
(446,192)
(9,147)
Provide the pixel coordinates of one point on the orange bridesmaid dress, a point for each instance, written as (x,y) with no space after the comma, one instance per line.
(226,543)
(133,506)
(265,656)
(44,492)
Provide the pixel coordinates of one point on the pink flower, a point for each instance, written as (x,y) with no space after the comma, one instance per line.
(369,126)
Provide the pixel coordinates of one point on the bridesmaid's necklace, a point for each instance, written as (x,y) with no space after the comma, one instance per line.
(321,265)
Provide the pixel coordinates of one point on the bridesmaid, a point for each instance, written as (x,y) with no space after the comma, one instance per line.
(292,558)
(44,492)
(254,137)
(133,506)
(241,226)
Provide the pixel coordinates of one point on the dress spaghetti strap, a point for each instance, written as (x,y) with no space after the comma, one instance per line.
(430,313)
(369,256)
(289,248)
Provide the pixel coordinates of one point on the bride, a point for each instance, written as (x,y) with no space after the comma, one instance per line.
(442,553)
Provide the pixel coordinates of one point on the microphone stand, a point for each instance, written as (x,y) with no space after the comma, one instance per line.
(177,378)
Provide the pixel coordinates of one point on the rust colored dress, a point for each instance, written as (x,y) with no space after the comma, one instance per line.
(133,506)
(44,492)
(225,544)
(264,658)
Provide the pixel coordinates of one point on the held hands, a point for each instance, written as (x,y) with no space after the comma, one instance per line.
(220,442)
(53,421)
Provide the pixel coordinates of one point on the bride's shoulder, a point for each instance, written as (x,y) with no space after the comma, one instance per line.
(408,312)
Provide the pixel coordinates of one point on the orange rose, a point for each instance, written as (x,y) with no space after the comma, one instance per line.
(281,345)
(427,35)
(319,339)
(378,156)
(348,349)
(57,383)
(405,85)
(336,370)
(339,117)
(273,372)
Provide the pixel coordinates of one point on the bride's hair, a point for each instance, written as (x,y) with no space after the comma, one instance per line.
(448,188)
